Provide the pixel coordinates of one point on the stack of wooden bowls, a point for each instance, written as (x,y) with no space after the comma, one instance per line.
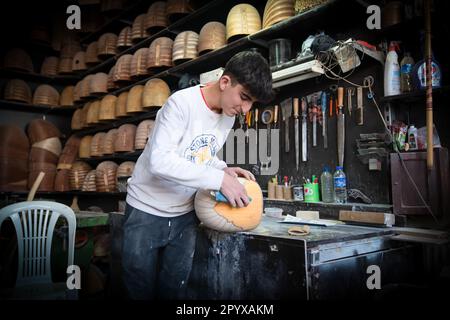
(14,154)
(78,174)
(18,90)
(45,151)
(106,176)
(66,160)
(124,40)
(125,138)
(143,133)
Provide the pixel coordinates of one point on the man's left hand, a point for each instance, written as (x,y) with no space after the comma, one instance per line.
(239,172)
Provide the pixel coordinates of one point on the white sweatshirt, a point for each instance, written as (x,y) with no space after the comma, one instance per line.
(180,156)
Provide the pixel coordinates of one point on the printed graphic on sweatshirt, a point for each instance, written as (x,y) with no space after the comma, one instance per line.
(202,149)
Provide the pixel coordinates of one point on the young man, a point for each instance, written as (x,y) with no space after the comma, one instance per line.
(160,224)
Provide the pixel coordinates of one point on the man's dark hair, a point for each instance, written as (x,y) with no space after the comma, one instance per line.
(251,70)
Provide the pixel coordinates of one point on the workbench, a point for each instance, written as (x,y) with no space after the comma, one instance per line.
(268,263)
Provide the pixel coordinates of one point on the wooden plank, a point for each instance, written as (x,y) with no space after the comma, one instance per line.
(367,217)
(427,233)
(418,239)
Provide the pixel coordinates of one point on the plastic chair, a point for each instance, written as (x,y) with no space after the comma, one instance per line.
(34,222)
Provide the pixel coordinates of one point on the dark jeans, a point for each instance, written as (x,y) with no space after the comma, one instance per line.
(157,254)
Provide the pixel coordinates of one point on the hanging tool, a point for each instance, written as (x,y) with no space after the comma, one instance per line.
(248,122)
(340,127)
(312,101)
(275,116)
(241,120)
(256,117)
(350,93)
(359,108)
(304,131)
(286,110)
(267,118)
(333,104)
(296,133)
(324,115)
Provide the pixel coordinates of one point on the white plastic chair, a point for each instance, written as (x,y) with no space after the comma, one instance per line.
(34,222)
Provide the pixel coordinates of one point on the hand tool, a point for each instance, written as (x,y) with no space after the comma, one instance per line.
(350,93)
(248,121)
(333,89)
(241,120)
(267,118)
(304,131)
(324,115)
(286,110)
(313,104)
(219,197)
(359,108)
(275,116)
(256,117)
(341,127)
(296,133)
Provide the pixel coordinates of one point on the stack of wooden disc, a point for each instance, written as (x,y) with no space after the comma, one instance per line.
(78,174)
(138,67)
(125,138)
(14,153)
(107,45)
(138,31)
(121,105)
(77,92)
(85,147)
(46,95)
(91,58)
(276,11)
(143,133)
(155,93)
(110,139)
(85,88)
(124,171)
(134,99)
(79,62)
(122,69)
(18,90)
(18,59)
(45,152)
(107,108)
(124,40)
(185,47)
(105,176)
(111,85)
(93,110)
(97,144)
(50,66)
(242,20)
(89,182)
(177,9)
(77,122)
(66,97)
(156,18)
(66,159)
(69,153)
(98,84)
(69,49)
(212,36)
(160,54)
(65,66)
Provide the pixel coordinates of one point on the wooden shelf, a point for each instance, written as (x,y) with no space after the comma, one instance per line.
(116,157)
(39,78)
(151,114)
(24,107)
(66,193)
(415,95)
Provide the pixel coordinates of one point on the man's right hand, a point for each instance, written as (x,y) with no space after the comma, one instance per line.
(234,191)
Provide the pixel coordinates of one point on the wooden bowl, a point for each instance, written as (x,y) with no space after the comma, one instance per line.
(105,174)
(160,54)
(107,108)
(156,18)
(134,99)
(78,174)
(212,36)
(85,147)
(46,95)
(243,19)
(143,133)
(185,47)
(124,40)
(155,93)
(18,90)
(50,66)
(121,105)
(107,45)
(66,97)
(110,139)
(125,138)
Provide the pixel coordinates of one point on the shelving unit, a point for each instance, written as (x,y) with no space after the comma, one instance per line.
(24,107)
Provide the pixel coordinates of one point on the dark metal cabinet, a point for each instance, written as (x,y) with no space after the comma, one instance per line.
(433,185)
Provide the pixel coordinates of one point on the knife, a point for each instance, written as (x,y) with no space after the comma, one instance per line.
(304,132)
(340,127)
(296,132)
(324,117)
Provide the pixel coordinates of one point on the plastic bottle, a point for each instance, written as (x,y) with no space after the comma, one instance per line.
(340,185)
(392,72)
(412,137)
(327,185)
(406,69)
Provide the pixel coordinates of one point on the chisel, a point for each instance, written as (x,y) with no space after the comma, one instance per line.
(340,127)
(296,132)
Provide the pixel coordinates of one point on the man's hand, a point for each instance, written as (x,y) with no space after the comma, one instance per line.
(234,191)
(239,172)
